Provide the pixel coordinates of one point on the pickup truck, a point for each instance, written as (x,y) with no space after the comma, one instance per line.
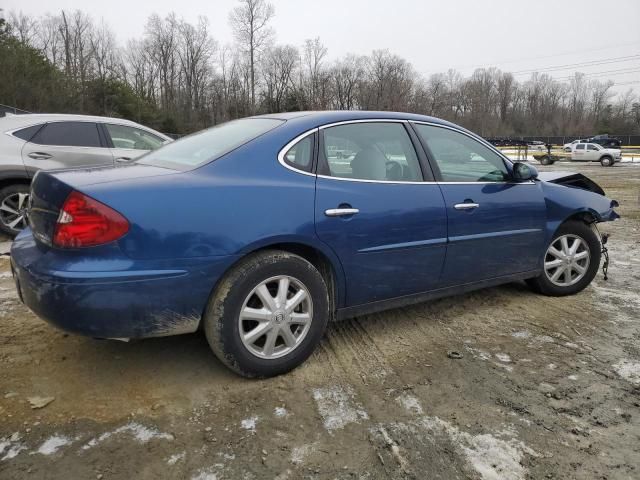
(592,152)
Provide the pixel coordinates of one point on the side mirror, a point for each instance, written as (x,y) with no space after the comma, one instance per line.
(523,172)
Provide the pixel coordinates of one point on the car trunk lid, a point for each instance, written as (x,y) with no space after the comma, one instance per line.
(50,189)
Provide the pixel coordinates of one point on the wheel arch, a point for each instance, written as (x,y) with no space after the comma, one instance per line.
(13,179)
(319,256)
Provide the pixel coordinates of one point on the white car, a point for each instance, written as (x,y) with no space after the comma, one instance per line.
(568,147)
(536,146)
(33,142)
(592,152)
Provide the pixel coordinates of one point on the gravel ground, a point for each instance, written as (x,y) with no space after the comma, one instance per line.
(545,388)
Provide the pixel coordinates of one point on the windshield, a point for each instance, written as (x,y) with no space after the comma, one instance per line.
(207,145)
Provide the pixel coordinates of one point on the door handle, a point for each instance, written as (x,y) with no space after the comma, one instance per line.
(39,155)
(466,206)
(341,212)
(123,159)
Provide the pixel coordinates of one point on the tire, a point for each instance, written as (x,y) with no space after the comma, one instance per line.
(590,242)
(237,293)
(545,160)
(606,162)
(13,198)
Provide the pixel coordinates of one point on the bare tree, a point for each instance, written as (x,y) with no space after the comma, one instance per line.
(314,76)
(250,22)
(278,68)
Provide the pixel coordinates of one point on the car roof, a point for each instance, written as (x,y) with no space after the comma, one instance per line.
(11,122)
(312,119)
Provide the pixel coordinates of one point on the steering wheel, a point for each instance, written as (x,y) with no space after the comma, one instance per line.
(491,176)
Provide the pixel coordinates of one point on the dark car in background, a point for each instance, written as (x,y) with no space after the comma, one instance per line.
(606,141)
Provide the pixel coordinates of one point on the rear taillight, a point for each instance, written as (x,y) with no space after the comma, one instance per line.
(85,222)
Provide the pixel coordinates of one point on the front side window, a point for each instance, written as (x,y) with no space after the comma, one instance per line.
(300,155)
(371,151)
(205,146)
(592,147)
(133,138)
(69,134)
(460,158)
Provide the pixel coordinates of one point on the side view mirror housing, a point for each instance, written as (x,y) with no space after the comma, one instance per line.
(523,172)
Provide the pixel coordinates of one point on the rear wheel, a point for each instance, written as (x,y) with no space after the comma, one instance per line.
(571,261)
(268,314)
(545,160)
(606,162)
(14,200)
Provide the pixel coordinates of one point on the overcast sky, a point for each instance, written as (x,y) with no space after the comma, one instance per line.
(433,35)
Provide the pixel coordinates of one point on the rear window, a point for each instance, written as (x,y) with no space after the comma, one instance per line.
(203,147)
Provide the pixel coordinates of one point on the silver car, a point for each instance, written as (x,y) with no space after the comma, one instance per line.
(32,142)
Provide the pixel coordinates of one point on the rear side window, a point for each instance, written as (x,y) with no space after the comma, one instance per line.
(580,146)
(207,145)
(27,134)
(370,151)
(301,154)
(133,138)
(70,134)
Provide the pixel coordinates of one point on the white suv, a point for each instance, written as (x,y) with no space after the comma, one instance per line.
(32,142)
(592,152)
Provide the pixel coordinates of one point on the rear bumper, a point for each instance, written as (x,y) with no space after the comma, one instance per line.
(141,300)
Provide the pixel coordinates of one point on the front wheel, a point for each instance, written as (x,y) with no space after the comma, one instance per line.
(268,314)
(571,261)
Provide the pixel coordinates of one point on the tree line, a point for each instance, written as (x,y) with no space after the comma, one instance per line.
(178,78)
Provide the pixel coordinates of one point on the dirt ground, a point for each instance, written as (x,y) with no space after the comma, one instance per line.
(545,388)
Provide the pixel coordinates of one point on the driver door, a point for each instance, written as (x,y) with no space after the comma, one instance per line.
(495,225)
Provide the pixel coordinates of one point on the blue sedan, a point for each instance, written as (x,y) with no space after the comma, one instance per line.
(259,231)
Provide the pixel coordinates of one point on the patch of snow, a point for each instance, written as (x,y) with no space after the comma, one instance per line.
(337,407)
(477,353)
(410,403)
(628,370)
(521,334)
(280,412)
(12,445)
(298,454)
(173,459)
(13,451)
(249,424)
(52,444)
(206,474)
(573,377)
(139,432)
(544,339)
(493,458)
(503,357)
(552,366)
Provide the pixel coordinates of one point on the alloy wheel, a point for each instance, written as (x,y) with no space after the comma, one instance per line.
(13,211)
(275,317)
(567,260)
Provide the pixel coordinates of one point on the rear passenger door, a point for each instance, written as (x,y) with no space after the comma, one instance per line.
(580,152)
(66,145)
(374,209)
